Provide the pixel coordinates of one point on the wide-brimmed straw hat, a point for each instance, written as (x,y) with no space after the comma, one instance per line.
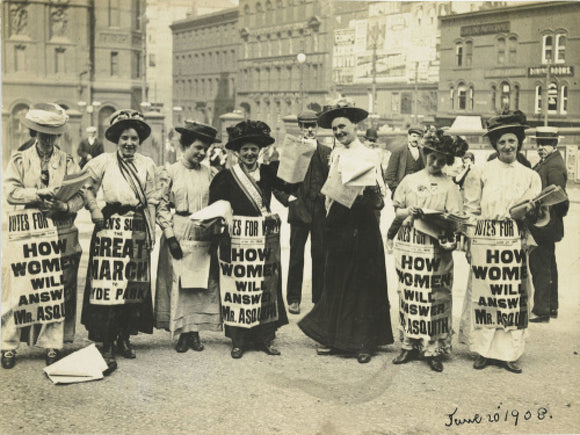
(204,132)
(546,134)
(507,121)
(121,120)
(255,132)
(341,109)
(46,118)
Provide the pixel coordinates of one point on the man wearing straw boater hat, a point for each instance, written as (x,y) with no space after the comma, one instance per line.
(552,171)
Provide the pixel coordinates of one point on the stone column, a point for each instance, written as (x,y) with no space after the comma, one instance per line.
(154,145)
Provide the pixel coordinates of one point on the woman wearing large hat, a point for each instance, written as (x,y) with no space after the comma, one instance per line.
(352,315)
(431,189)
(31,182)
(182,306)
(496,333)
(248,187)
(117,301)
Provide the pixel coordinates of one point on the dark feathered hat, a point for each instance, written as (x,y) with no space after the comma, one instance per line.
(507,121)
(450,146)
(256,132)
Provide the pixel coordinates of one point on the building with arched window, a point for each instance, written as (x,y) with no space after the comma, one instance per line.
(82,54)
(522,57)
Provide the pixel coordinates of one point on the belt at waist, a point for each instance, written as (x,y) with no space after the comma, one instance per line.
(118,208)
(182,213)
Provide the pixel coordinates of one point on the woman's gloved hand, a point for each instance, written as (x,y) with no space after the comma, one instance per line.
(175,248)
(98,219)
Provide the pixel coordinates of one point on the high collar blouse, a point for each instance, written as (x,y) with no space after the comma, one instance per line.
(184,187)
(501,186)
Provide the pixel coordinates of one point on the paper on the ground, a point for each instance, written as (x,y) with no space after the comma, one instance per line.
(81,366)
(295,156)
(71,185)
(335,190)
(219,208)
(357,172)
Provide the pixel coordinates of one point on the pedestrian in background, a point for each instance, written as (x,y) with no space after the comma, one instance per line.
(130,190)
(353,313)
(503,183)
(552,171)
(90,147)
(181,310)
(31,181)
(306,214)
(404,160)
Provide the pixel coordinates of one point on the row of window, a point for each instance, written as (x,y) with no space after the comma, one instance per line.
(508,97)
(289,78)
(553,50)
(211,61)
(557,99)
(280,47)
(204,88)
(210,33)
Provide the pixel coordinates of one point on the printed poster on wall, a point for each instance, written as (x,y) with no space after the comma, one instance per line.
(250,272)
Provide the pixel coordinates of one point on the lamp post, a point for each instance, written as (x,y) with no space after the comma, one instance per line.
(301,58)
(89,108)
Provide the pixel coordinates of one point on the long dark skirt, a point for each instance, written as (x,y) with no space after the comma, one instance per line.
(353,312)
(106,322)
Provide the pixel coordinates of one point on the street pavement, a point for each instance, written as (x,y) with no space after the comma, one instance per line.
(299,392)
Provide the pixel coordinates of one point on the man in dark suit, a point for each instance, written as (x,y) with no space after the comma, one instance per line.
(543,265)
(307,214)
(404,160)
(90,147)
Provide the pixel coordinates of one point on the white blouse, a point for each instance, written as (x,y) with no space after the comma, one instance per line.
(501,185)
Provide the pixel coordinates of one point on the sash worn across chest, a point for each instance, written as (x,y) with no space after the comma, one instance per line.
(250,188)
(129,172)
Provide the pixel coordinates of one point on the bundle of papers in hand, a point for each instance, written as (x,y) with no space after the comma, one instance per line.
(213,217)
(81,366)
(435,223)
(71,184)
(295,155)
(357,172)
(337,191)
(551,195)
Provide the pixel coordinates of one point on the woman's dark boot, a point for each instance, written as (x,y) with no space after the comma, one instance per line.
(124,347)
(109,357)
(195,342)
(182,344)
